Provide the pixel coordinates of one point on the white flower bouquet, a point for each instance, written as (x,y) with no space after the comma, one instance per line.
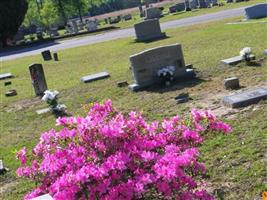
(245,53)
(166,74)
(51,97)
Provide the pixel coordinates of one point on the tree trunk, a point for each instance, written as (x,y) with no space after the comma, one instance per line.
(61,10)
(80,14)
(4,41)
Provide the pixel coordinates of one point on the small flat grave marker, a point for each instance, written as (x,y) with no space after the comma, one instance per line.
(265,51)
(8,83)
(5,76)
(1,165)
(43,111)
(231,83)
(245,98)
(94,77)
(44,197)
(235,60)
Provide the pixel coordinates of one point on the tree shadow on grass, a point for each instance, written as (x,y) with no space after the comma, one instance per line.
(24,49)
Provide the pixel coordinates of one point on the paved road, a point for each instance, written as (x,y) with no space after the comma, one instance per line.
(123,33)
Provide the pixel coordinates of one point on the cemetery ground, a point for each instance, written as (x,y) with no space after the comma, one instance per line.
(236,163)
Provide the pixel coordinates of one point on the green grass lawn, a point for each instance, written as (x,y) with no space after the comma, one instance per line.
(236,163)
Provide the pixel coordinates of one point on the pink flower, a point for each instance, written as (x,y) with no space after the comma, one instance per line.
(110,156)
(21,155)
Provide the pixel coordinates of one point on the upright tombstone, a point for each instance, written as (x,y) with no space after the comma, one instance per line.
(152,13)
(172,9)
(202,4)
(141,11)
(180,7)
(91,26)
(187,5)
(215,3)
(148,30)
(256,11)
(127,17)
(75,26)
(38,79)
(194,4)
(209,3)
(145,65)
(46,55)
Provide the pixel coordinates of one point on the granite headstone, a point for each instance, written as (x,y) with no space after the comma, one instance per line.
(46,55)
(256,11)
(38,79)
(148,30)
(146,64)
(245,98)
(152,13)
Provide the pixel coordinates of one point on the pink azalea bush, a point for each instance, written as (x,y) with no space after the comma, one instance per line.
(110,156)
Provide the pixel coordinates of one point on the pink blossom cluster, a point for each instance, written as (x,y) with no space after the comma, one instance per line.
(110,156)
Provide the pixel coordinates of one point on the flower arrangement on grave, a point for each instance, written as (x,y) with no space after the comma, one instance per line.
(108,155)
(166,74)
(246,53)
(51,98)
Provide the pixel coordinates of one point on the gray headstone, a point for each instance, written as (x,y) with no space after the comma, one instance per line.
(187,5)
(152,13)
(127,17)
(194,4)
(54,32)
(215,3)
(180,7)
(172,9)
(148,30)
(5,76)
(55,55)
(256,11)
(43,111)
(94,77)
(203,4)
(245,98)
(46,55)
(265,51)
(231,83)
(38,79)
(43,197)
(91,25)
(146,64)
(75,26)
(235,60)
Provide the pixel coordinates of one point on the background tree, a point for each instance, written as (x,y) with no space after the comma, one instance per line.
(49,14)
(12,13)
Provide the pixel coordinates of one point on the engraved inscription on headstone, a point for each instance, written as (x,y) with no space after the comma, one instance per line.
(146,64)
(38,79)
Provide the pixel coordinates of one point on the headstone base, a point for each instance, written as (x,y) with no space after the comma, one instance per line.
(187,75)
(151,37)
